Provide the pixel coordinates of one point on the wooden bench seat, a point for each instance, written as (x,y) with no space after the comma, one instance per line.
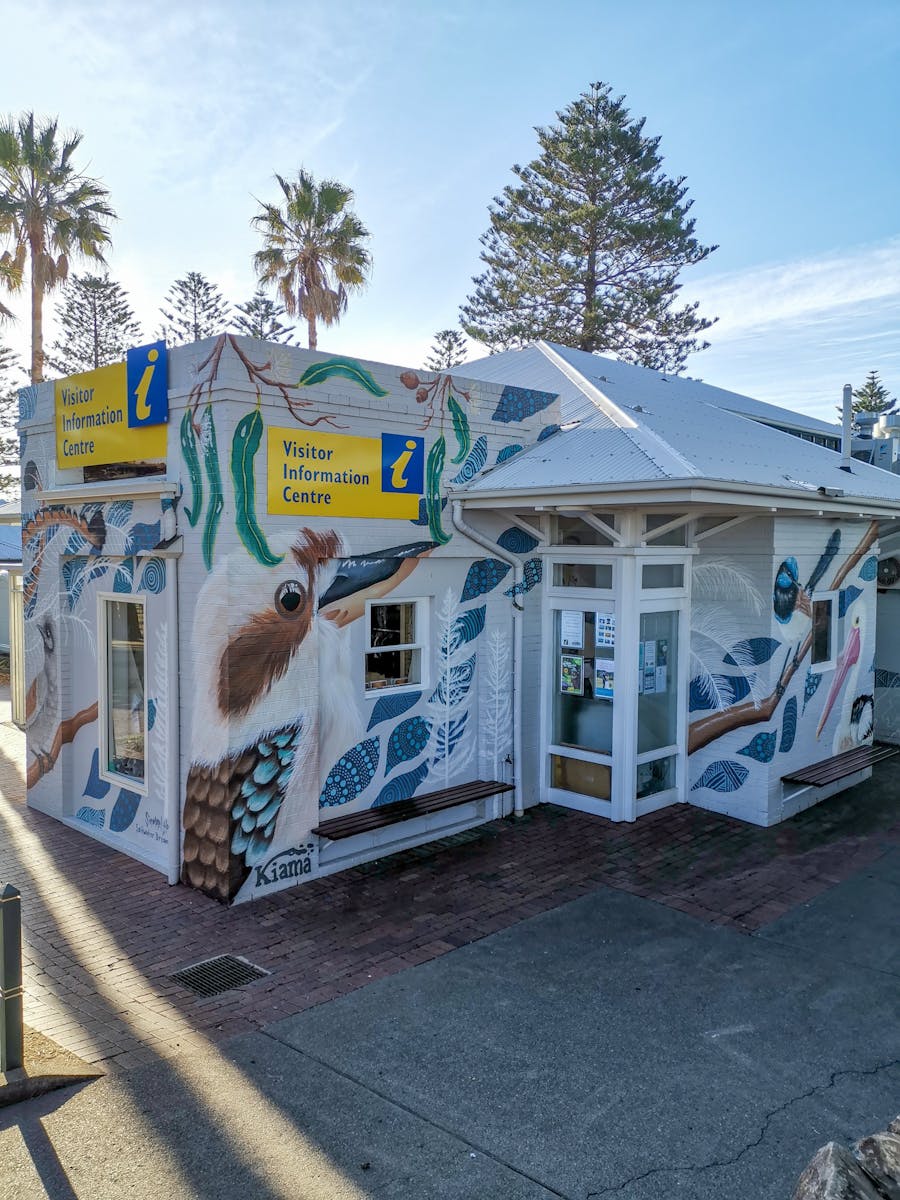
(404,810)
(831,769)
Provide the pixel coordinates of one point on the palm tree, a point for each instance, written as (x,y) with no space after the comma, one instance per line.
(48,210)
(11,279)
(313,249)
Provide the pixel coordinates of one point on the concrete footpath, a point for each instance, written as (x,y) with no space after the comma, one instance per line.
(610,1047)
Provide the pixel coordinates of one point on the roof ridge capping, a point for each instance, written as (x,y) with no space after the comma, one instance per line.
(646,440)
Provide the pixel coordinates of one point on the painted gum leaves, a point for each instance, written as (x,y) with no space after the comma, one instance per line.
(244,446)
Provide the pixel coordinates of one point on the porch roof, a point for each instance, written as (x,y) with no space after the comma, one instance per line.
(653,440)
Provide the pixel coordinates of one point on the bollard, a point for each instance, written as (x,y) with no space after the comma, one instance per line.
(11,1024)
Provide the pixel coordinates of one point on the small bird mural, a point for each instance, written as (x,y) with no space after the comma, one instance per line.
(788,595)
(263,729)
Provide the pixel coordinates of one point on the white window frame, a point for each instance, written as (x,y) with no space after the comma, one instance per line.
(422,623)
(141,787)
(834,597)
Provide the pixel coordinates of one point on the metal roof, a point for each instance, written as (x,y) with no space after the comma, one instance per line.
(651,431)
(627,384)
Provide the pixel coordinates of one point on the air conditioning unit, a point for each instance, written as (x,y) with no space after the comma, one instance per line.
(888,573)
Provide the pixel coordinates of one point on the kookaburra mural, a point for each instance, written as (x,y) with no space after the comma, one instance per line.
(275,700)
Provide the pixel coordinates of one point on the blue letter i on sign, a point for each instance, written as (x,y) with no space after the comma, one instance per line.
(147,369)
(402,464)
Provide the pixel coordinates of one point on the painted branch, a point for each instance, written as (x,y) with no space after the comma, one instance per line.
(66,732)
(708,729)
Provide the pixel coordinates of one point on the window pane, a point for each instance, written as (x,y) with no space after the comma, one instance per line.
(393,668)
(392,624)
(657,681)
(675,537)
(572,531)
(656,776)
(821,631)
(662,575)
(584,683)
(125,688)
(588,575)
(586,778)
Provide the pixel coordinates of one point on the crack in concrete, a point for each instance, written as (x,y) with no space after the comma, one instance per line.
(767,1121)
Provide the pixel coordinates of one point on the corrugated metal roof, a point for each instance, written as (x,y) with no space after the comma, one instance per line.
(659,432)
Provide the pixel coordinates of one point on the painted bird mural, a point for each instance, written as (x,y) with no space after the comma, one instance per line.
(788,595)
(263,636)
(845,673)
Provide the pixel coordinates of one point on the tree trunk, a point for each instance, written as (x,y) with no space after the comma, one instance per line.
(37,331)
(311,325)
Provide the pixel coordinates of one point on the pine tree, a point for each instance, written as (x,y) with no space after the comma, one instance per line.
(12,377)
(196,309)
(587,248)
(448,350)
(261,318)
(96,323)
(873,396)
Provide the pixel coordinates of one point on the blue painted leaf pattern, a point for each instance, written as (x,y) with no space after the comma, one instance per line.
(119,513)
(846,597)
(467,627)
(532,574)
(548,432)
(402,787)
(761,747)
(461,678)
(351,774)
(91,816)
(142,536)
(474,462)
(388,707)
(422,518)
(516,541)
(722,776)
(407,741)
(483,576)
(831,549)
(811,686)
(789,726)
(95,787)
(124,811)
(153,579)
(759,650)
(27,402)
(518,404)
(733,689)
(448,737)
(869,570)
(123,580)
(508,452)
(151,713)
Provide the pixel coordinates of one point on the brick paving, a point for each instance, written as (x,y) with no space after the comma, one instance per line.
(104,933)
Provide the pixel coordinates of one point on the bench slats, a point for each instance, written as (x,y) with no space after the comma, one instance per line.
(831,769)
(404,810)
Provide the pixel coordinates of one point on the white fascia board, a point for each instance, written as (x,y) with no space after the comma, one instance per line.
(113,489)
(733,495)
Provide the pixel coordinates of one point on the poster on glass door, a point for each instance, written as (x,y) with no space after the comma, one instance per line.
(653,666)
(571,629)
(571,674)
(605,629)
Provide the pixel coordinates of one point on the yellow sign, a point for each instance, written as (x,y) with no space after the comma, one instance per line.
(92,421)
(336,475)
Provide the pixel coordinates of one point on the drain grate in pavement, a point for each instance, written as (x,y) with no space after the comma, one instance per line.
(218,975)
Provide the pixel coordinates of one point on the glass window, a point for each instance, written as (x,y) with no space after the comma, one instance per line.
(587,575)
(657,681)
(662,575)
(674,537)
(584,683)
(125,707)
(572,531)
(822,631)
(394,645)
(586,778)
(655,776)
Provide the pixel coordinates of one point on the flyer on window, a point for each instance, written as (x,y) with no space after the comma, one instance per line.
(571,675)
(662,664)
(648,667)
(571,629)
(604,681)
(605,628)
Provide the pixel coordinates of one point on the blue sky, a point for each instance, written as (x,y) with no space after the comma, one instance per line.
(782,117)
